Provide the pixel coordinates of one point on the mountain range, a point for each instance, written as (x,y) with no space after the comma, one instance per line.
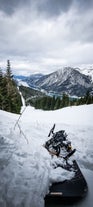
(73,81)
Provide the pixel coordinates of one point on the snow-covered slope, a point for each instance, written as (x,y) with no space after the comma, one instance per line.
(88,72)
(25,165)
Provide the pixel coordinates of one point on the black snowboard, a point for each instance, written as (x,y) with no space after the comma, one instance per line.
(68,190)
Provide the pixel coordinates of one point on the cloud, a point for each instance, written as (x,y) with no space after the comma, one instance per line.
(46,7)
(42,35)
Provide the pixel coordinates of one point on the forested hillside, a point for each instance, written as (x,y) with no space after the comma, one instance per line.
(10,99)
(41,101)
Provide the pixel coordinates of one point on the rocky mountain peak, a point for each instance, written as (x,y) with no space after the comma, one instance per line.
(68,80)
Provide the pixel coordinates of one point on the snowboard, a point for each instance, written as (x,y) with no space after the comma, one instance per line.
(68,190)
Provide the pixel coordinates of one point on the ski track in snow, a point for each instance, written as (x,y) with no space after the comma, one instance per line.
(26,168)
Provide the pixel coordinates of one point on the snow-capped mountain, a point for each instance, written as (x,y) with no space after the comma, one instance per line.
(73,81)
(32,79)
(28,81)
(68,80)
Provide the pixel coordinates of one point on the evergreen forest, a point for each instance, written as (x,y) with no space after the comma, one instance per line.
(10,99)
(42,101)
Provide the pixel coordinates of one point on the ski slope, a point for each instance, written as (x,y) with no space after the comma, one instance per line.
(26,168)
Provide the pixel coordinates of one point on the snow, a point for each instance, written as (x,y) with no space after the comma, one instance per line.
(22,83)
(87,71)
(26,167)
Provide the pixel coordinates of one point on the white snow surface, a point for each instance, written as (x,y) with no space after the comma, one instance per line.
(88,72)
(26,167)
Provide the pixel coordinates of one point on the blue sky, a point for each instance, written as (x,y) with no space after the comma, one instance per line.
(45,35)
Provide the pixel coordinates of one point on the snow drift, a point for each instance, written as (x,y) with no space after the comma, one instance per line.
(26,168)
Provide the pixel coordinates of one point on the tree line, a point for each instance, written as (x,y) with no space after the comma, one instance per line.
(10,99)
(53,103)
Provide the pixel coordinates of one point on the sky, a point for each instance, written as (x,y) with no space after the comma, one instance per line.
(45,35)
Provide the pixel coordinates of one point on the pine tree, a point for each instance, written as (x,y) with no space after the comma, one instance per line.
(65,100)
(48,103)
(9,74)
(53,100)
(10,99)
(1,78)
(87,98)
(1,74)
(43,102)
(57,103)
